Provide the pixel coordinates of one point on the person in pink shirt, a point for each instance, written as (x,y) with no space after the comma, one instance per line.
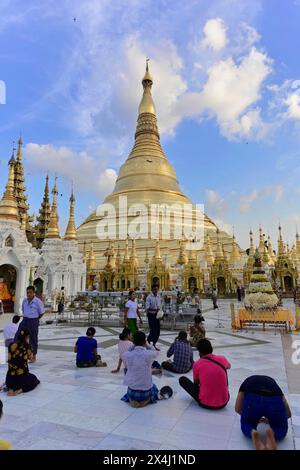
(124,345)
(210,386)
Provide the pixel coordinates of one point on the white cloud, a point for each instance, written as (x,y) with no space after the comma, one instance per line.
(214,34)
(276,192)
(87,173)
(215,202)
(230,94)
(293,105)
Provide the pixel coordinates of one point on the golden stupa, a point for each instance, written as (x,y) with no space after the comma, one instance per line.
(147,177)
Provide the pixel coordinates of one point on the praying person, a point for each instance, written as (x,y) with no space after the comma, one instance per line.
(32,309)
(18,379)
(183,355)
(210,386)
(131,312)
(10,330)
(138,362)
(260,399)
(197,331)
(86,350)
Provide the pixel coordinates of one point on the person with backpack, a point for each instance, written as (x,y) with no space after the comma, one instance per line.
(210,385)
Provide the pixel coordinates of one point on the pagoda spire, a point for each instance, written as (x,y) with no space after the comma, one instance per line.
(19,181)
(126,254)
(281,250)
(44,216)
(252,249)
(297,245)
(91,261)
(220,253)
(270,251)
(118,257)
(157,255)
(134,258)
(8,203)
(235,254)
(209,255)
(182,258)
(71,228)
(53,229)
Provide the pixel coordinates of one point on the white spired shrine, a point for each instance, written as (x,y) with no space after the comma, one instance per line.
(46,260)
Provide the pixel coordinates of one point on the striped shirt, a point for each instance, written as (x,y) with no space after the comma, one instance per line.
(124,346)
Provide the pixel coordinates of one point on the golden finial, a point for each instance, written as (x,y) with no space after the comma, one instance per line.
(19,152)
(8,203)
(71,228)
(53,229)
(147,104)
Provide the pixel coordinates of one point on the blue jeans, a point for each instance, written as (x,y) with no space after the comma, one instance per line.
(273,408)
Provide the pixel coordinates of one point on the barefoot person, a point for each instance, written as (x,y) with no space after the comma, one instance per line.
(210,386)
(32,309)
(18,379)
(153,305)
(131,312)
(86,350)
(124,345)
(197,331)
(10,330)
(183,355)
(260,399)
(138,362)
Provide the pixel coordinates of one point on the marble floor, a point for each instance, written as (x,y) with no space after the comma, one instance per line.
(81,408)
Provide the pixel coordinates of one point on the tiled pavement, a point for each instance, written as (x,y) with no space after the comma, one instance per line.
(81,408)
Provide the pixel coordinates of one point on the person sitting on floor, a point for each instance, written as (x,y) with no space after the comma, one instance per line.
(138,362)
(197,331)
(4,445)
(124,345)
(210,386)
(18,379)
(86,350)
(10,330)
(183,355)
(260,399)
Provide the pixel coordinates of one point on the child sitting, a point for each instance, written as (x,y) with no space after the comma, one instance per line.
(197,331)
(124,345)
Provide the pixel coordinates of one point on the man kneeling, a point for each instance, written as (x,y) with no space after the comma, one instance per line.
(138,362)
(86,349)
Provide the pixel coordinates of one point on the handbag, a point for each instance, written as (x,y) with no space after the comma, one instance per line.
(160,314)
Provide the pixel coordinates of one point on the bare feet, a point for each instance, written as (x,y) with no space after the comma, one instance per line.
(101,364)
(157,349)
(156,371)
(270,442)
(115,371)
(13,393)
(33,359)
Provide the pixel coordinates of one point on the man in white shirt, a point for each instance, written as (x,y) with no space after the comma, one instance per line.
(138,361)
(10,330)
(153,305)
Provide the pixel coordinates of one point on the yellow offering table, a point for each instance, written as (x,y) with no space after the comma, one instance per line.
(277,316)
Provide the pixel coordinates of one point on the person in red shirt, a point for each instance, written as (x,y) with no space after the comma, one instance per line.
(210,386)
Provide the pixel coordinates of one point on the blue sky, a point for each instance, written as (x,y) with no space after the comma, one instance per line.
(226,87)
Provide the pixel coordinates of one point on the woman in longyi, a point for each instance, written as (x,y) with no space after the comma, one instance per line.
(18,377)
